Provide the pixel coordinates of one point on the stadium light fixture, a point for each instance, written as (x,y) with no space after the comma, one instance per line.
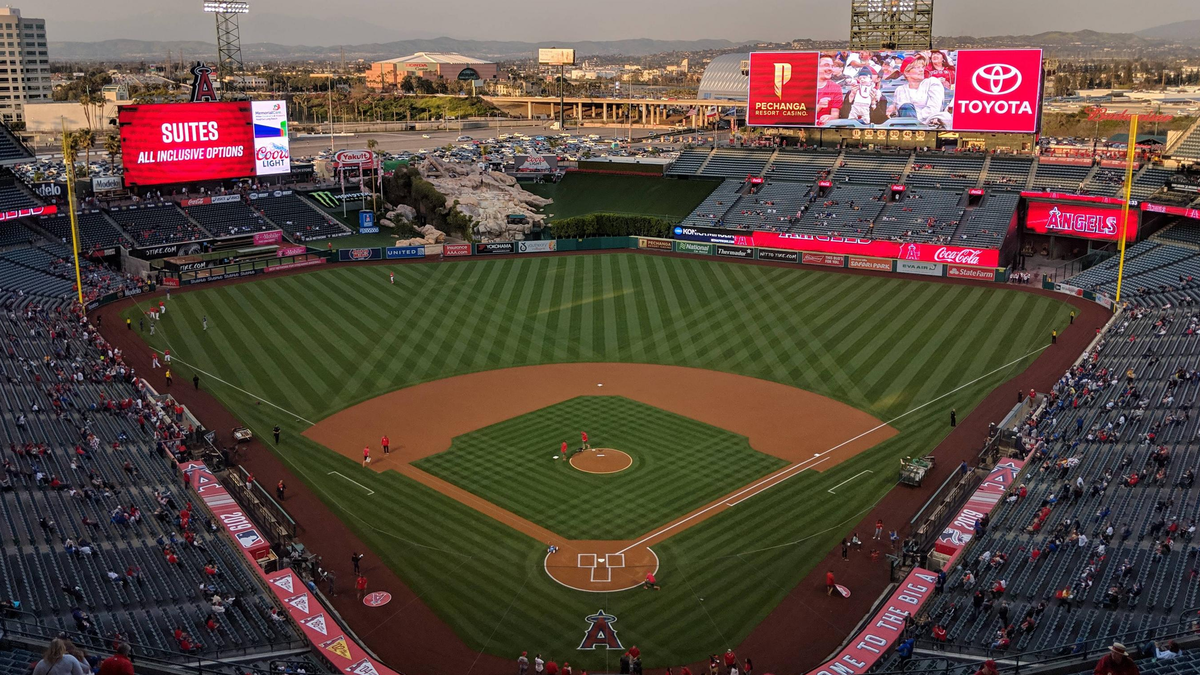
(226,7)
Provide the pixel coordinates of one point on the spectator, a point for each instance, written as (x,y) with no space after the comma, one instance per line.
(56,660)
(118,663)
(1115,662)
(988,668)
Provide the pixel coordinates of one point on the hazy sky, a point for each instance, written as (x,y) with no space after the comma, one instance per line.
(322,22)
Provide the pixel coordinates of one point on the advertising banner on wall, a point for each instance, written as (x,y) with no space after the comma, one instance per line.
(495,248)
(654,244)
(693,247)
(727,251)
(872,248)
(985,90)
(823,259)
(548,246)
(272,152)
(873,264)
(778,256)
(456,250)
(396,252)
(712,235)
(918,267)
(1171,210)
(359,254)
(987,496)
(1088,221)
(30,212)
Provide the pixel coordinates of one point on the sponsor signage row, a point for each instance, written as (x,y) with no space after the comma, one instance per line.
(1171,210)
(546,246)
(873,264)
(652,244)
(823,260)
(778,256)
(359,254)
(285,251)
(919,267)
(987,496)
(980,273)
(727,251)
(219,277)
(883,630)
(986,90)
(712,235)
(455,250)
(399,252)
(1073,219)
(293,265)
(693,247)
(1070,197)
(872,248)
(185,142)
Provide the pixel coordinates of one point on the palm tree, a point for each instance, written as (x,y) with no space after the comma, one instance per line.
(372,144)
(87,138)
(112,145)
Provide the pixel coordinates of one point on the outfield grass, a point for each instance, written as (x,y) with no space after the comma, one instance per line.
(315,343)
(579,194)
(679,464)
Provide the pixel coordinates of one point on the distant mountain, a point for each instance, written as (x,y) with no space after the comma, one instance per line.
(1053,39)
(1181,31)
(137,50)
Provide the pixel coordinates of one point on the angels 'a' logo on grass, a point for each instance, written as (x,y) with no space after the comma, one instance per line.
(600,633)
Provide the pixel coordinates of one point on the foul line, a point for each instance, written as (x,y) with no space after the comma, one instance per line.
(339,473)
(790,471)
(831,490)
(229,384)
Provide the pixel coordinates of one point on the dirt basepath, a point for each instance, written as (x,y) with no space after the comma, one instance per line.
(765,412)
(798,634)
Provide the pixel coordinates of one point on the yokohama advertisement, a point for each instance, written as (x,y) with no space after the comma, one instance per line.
(870,248)
(985,498)
(183,142)
(1079,220)
(992,90)
(883,631)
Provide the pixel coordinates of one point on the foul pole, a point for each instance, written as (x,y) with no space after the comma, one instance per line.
(69,158)
(1130,155)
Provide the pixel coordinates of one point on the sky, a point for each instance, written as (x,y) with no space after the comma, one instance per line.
(327,22)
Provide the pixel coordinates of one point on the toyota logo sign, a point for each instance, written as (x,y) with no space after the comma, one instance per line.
(997,79)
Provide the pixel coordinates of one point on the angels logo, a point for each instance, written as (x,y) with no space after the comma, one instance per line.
(202,86)
(600,632)
(910,252)
(1081,222)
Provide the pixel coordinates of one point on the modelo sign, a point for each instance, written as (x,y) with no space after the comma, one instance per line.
(1079,220)
(185,142)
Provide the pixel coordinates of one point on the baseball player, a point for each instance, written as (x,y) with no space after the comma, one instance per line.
(564,450)
(585,440)
(154,357)
(386,444)
(392,277)
(366,455)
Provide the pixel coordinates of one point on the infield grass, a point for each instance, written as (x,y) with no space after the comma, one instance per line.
(579,194)
(316,343)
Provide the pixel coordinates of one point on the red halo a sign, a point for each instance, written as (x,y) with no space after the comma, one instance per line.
(377,599)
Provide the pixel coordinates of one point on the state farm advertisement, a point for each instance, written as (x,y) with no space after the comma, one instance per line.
(185,142)
(996,90)
(1079,220)
(871,248)
(783,89)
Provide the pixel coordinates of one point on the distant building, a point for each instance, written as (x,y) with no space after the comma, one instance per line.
(727,77)
(24,62)
(388,74)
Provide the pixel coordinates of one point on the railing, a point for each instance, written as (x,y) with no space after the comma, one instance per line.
(1072,267)
(210,662)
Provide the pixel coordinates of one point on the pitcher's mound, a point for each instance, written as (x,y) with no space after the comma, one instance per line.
(601,460)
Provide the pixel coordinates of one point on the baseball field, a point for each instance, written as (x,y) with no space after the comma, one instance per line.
(741,418)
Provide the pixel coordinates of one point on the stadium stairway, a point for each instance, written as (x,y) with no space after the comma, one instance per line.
(200,226)
(908,166)
(767,166)
(983,170)
(700,169)
(837,163)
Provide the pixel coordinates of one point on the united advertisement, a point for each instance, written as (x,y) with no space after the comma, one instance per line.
(1074,219)
(185,142)
(984,90)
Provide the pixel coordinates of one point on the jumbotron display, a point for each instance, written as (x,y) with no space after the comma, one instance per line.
(184,142)
(985,90)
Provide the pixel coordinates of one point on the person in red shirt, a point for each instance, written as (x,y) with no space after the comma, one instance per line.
(829,583)
(387,444)
(360,585)
(564,450)
(730,660)
(366,455)
(939,67)
(1115,662)
(650,582)
(829,93)
(878,529)
(586,446)
(118,663)
(551,668)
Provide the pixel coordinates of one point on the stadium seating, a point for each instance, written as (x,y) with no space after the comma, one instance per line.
(11,147)
(95,230)
(1059,177)
(987,224)
(941,170)
(64,544)
(872,168)
(151,225)
(1150,180)
(800,167)
(711,212)
(299,219)
(736,163)
(1008,173)
(228,219)
(773,207)
(1186,231)
(847,209)
(15,232)
(925,216)
(689,162)
(1105,182)
(1189,148)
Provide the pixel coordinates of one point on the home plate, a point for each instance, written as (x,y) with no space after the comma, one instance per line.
(599,559)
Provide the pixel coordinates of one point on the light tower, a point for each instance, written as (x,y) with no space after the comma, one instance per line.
(891,24)
(229,41)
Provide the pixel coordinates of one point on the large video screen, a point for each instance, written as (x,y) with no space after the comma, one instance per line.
(984,90)
(1073,219)
(185,142)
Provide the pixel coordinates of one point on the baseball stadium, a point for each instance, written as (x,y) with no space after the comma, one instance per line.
(884,384)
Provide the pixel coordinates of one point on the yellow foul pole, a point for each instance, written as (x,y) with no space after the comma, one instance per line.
(1130,155)
(69,160)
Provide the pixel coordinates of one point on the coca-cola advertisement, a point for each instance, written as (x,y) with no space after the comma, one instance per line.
(1073,219)
(871,248)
